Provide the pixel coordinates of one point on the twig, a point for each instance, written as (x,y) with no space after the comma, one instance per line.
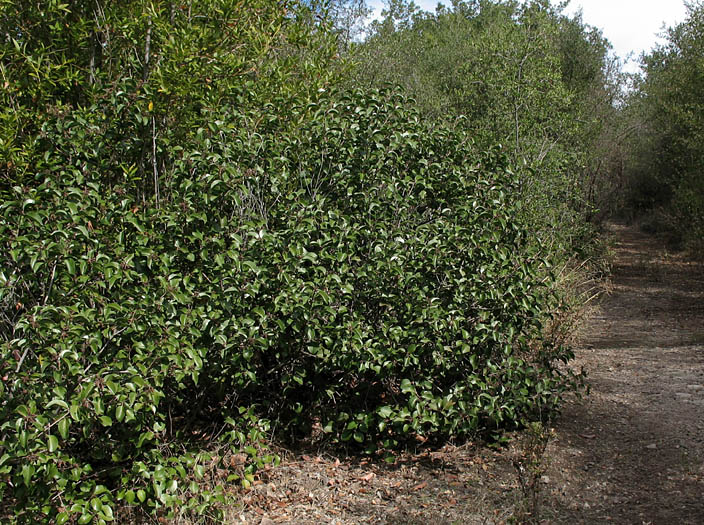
(154,163)
(51,283)
(46,298)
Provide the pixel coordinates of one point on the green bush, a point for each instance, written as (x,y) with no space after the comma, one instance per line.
(408,293)
(207,244)
(359,272)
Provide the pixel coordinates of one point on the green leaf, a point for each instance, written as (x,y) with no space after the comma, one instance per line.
(27,473)
(106,513)
(57,402)
(385,411)
(85,518)
(84,231)
(52,443)
(63,427)
(144,436)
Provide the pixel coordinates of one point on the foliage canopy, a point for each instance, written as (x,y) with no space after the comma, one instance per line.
(207,237)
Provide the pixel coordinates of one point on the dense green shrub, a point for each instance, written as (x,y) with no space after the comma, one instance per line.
(186,265)
(420,290)
(360,272)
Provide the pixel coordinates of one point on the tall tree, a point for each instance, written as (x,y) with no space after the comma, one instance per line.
(521,73)
(669,152)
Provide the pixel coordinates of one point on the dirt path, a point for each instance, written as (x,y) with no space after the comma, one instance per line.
(632,452)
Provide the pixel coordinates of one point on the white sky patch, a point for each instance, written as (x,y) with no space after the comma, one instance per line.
(632,26)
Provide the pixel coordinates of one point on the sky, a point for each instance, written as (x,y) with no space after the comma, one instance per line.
(631,26)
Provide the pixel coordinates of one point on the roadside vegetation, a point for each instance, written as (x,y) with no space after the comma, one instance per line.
(225,224)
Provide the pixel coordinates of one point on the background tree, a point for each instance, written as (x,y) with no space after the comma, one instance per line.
(521,74)
(666,172)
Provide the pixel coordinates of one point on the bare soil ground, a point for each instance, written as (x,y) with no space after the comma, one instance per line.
(631,452)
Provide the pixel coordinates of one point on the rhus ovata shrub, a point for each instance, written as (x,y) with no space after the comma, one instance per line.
(356,273)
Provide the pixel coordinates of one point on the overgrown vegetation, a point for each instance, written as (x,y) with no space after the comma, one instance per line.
(221,224)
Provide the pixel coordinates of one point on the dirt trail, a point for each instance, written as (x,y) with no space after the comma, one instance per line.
(633,451)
